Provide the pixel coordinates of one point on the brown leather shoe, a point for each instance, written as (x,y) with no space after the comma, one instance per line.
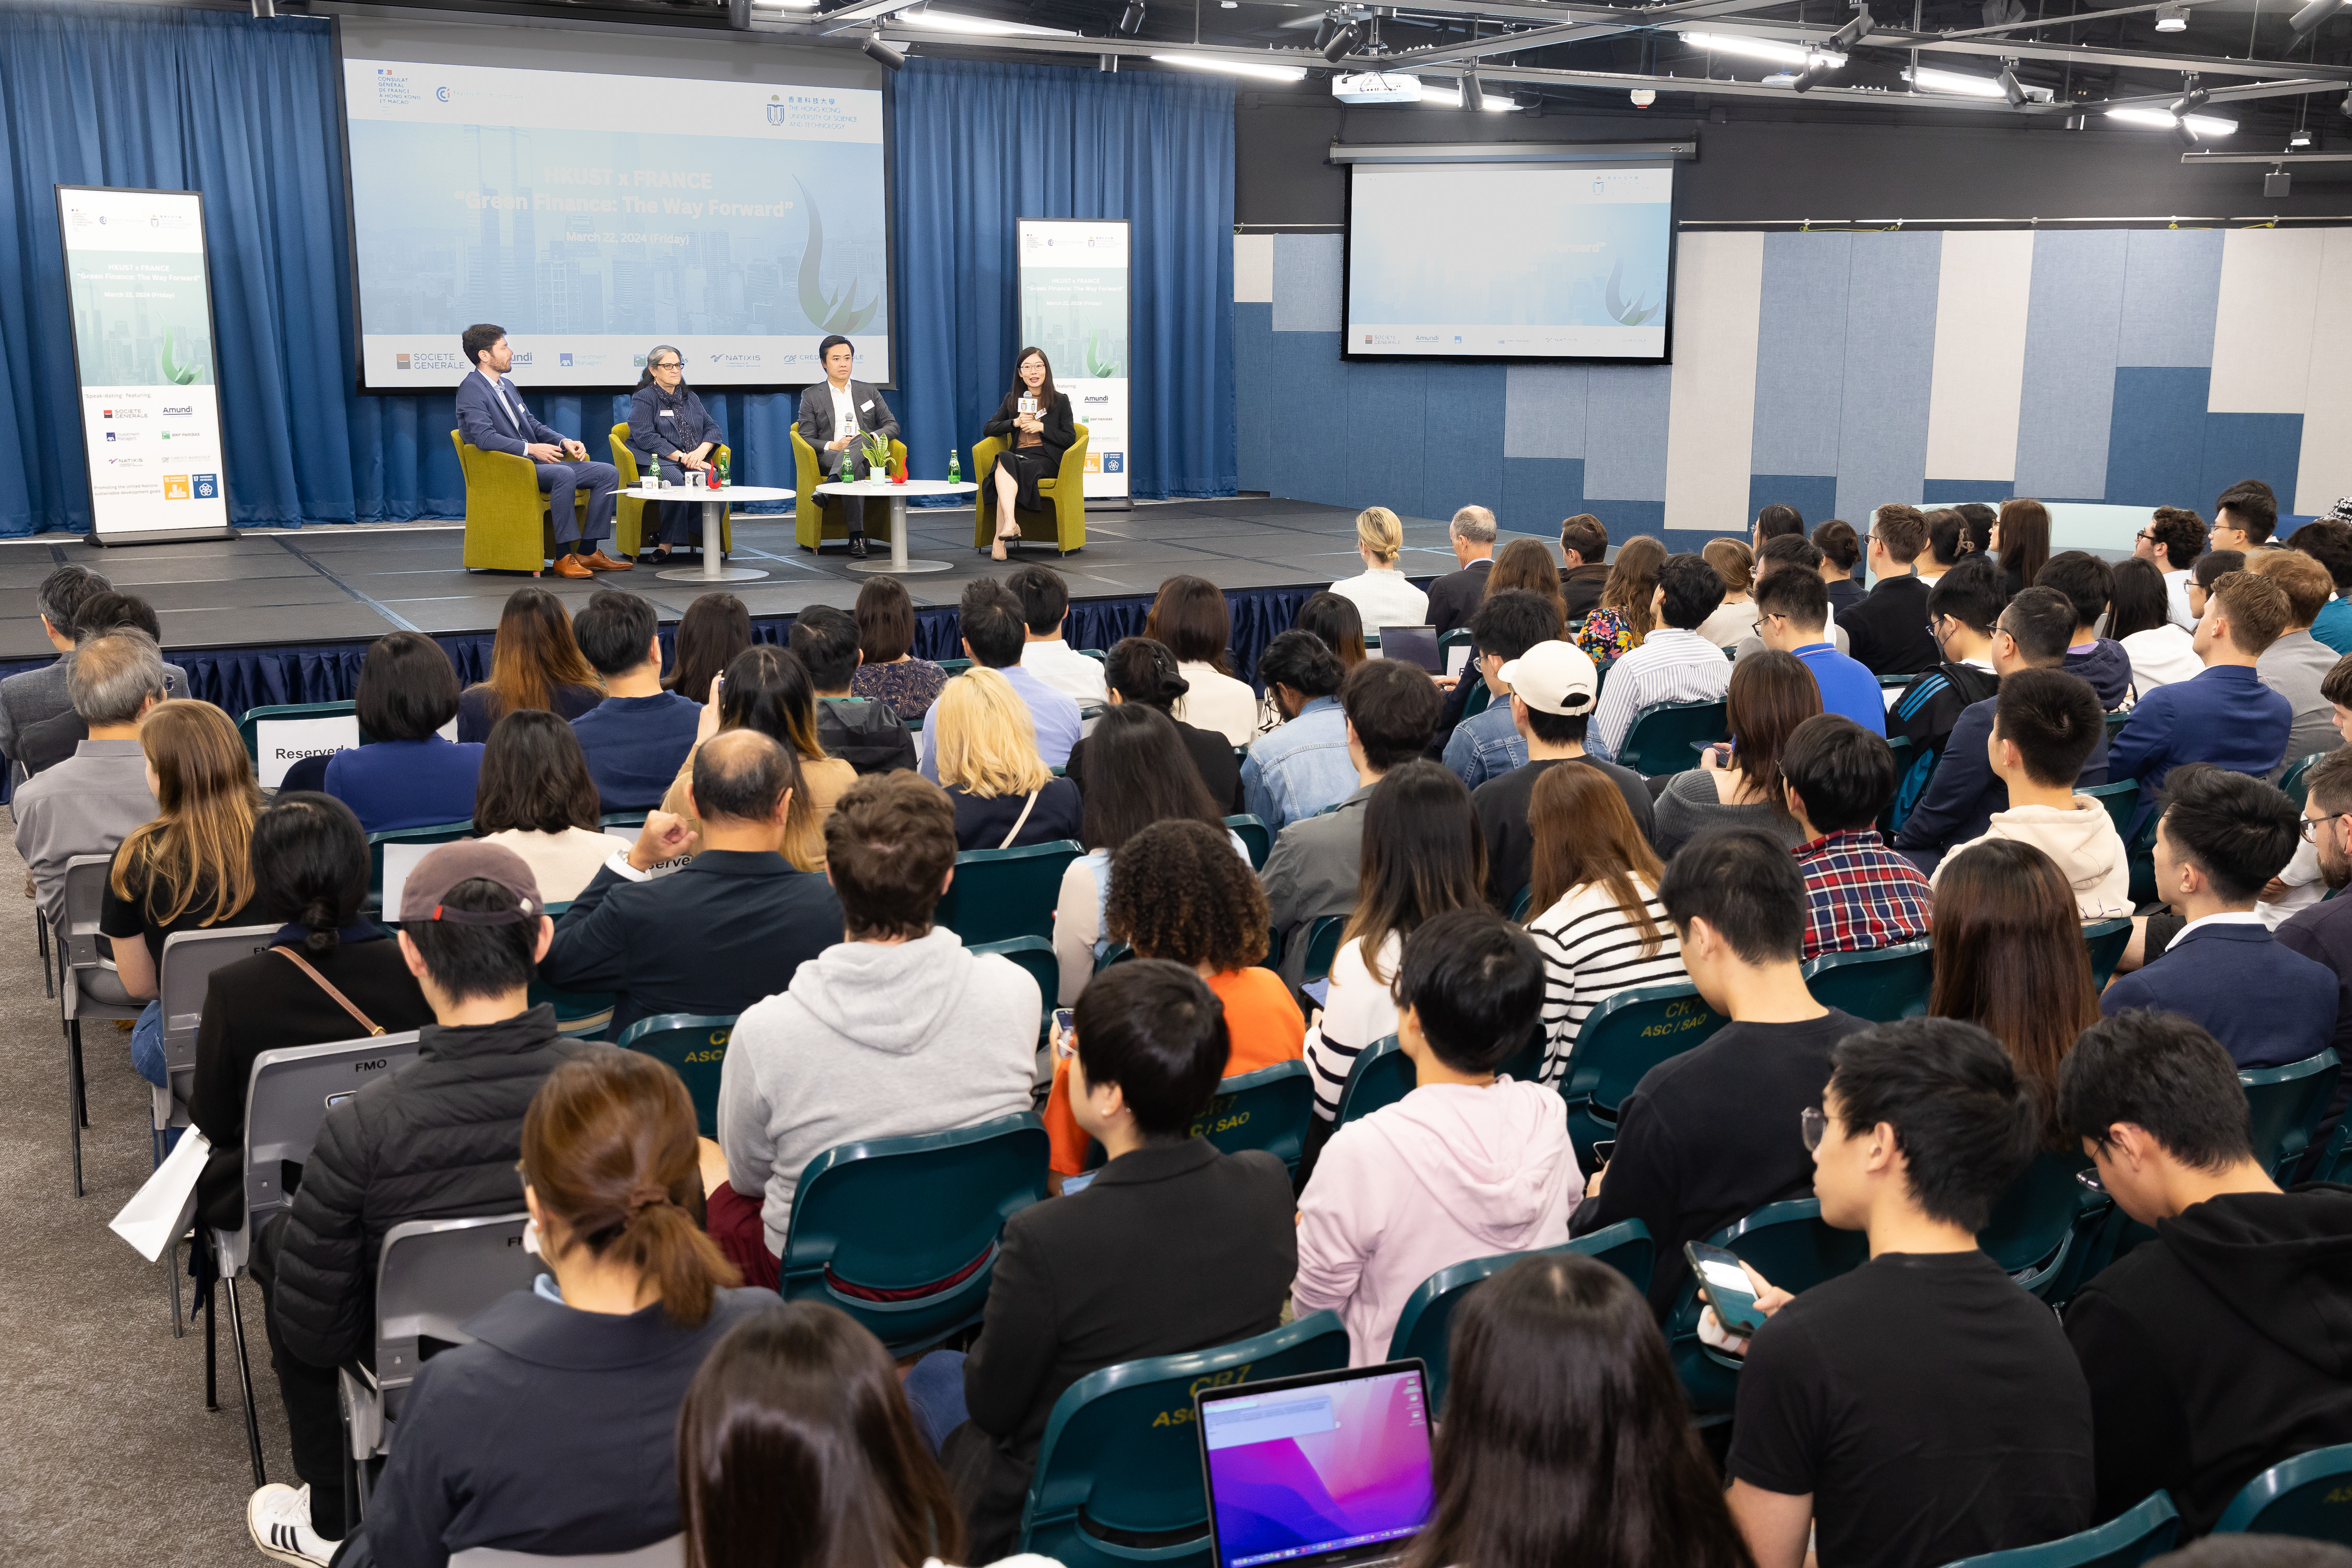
(571,566)
(600,562)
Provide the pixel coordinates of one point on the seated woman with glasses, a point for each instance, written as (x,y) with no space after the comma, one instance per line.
(670,430)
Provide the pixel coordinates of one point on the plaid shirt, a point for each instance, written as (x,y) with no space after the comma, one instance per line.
(1859,894)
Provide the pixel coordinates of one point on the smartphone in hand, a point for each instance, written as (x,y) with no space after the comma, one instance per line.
(1725,1285)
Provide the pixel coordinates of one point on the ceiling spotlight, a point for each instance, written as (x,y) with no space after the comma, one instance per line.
(2189,102)
(883,54)
(1817,70)
(2010,89)
(1474,95)
(1342,44)
(1853,32)
(1130,21)
(2184,133)
(739,14)
(2172,18)
(2306,22)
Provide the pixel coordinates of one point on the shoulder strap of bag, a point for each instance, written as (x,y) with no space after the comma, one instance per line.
(1020,821)
(302,964)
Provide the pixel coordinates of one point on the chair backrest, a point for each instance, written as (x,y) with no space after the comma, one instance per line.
(1662,736)
(418,841)
(79,903)
(1789,1245)
(2287,1102)
(667,1553)
(1480,698)
(1254,837)
(1423,1323)
(2124,1542)
(579,1015)
(2033,1223)
(1000,894)
(1119,1447)
(189,959)
(1265,1110)
(1323,946)
(1382,1074)
(2307,1496)
(1034,955)
(1881,984)
(2106,941)
(278,737)
(2121,799)
(289,1094)
(1628,1035)
(1519,904)
(433,1274)
(915,1216)
(2292,781)
(694,1046)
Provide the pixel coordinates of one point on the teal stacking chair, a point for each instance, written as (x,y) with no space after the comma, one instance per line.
(1519,904)
(2292,781)
(1265,1110)
(2124,1542)
(1119,1454)
(953,666)
(1255,835)
(2309,1495)
(1034,955)
(1881,984)
(2139,854)
(442,833)
(579,1015)
(885,1217)
(1481,696)
(248,730)
(1118,952)
(622,819)
(1323,946)
(2037,1224)
(1423,1324)
(694,1046)
(1382,1074)
(2106,942)
(1624,1037)
(1001,894)
(2287,1103)
(2122,801)
(2334,1165)
(1789,1245)
(1665,736)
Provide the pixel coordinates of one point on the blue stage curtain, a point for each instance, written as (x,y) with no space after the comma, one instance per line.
(982,145)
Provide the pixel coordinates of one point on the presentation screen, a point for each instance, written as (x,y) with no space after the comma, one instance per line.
(597,204)
(142,330)
(1467,260)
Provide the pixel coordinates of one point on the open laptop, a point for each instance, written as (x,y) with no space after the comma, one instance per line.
(1325,1470)
(1415,645)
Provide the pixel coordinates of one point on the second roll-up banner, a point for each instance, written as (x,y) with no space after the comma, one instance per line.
(1075,306)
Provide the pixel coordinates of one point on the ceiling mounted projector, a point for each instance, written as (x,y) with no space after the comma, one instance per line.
(1376,87)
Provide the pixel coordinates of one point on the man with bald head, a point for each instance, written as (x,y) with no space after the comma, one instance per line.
(710,923)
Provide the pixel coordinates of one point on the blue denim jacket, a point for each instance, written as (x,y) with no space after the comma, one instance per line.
(1486,745)
(1301,767)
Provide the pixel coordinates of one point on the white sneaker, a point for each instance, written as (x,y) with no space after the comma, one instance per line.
(279,1518)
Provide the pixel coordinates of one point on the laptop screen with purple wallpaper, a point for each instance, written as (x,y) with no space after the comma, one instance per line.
(1327,1469)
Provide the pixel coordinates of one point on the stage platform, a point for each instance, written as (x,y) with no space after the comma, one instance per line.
(332,585)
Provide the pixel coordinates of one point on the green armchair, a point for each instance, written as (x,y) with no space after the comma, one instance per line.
(817,518)
(1066,526)
(629,514)
(507,525)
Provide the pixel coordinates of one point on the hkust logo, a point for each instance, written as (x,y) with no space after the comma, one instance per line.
(775,110)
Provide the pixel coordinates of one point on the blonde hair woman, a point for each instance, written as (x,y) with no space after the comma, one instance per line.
(1736,617)
(986,745)
(192,867)
(1381,593)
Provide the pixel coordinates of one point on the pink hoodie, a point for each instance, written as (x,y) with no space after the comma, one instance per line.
(1446,1174)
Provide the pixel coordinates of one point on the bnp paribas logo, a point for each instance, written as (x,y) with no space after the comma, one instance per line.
(775,110)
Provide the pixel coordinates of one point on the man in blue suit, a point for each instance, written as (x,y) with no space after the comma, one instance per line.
(2225,716)
(2222,837)
(492,416)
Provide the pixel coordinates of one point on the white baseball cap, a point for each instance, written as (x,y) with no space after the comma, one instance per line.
(1554,677)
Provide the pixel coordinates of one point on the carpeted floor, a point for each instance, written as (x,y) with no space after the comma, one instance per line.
(107,1453)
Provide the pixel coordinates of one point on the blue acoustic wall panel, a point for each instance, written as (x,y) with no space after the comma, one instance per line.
(1307,282)
(1387,419)
(1544,410)
(1253,421)
(2172,292)
(1306,402)
(1951,492)
(1537,492)
(2265,446)
(1813,494)
(1462,439)
(1800,353)
(1890,367)
(1626,434)
(1624,519)
(2070,336)
(2157,441)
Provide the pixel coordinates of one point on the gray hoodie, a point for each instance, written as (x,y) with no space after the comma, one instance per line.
(872,1040)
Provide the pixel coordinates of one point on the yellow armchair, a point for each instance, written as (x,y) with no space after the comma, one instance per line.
(629,514)
(1065,493)
(817,518)
(506,524)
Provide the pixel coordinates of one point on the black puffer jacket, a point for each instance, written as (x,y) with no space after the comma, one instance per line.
(437,1140)
(867,734)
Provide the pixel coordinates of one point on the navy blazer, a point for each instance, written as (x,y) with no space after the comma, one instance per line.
(487,419)
(2225,716)
(2212,976)
(725,929)
(661,422)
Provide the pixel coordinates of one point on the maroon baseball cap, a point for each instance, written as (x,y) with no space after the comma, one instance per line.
(464,862)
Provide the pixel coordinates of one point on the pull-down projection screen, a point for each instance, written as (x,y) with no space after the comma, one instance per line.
(1508,260)
(595,196)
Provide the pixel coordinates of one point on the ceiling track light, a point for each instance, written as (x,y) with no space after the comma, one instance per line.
(1474,94)
(2172,18)
(2189,102)
(2306,22)
(1342,44)
(881,52)
(1853,32)
(1130,21)
(2009,87)
(2184,133)
(739,15)
(1817,70)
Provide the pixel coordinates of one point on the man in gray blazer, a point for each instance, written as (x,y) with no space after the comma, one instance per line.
(38,725)
(836,411)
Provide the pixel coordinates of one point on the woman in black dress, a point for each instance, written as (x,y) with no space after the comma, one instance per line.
(1039,434)
(668,427)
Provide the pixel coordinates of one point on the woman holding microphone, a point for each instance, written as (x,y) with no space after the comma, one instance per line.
(669,426)
(1036,419)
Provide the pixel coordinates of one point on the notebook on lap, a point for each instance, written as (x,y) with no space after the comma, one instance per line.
(1330,1470)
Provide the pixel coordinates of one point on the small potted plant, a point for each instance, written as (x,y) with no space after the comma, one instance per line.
(877,456)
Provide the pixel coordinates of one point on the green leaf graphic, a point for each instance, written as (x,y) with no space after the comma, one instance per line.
(1100,365)
(829,314)
(1631,315)
(174,372)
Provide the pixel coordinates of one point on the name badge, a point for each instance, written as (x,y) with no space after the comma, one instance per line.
(867,407)
(668,414)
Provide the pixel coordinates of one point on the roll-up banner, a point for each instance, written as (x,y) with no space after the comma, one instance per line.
(143,362)
(1075,306)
